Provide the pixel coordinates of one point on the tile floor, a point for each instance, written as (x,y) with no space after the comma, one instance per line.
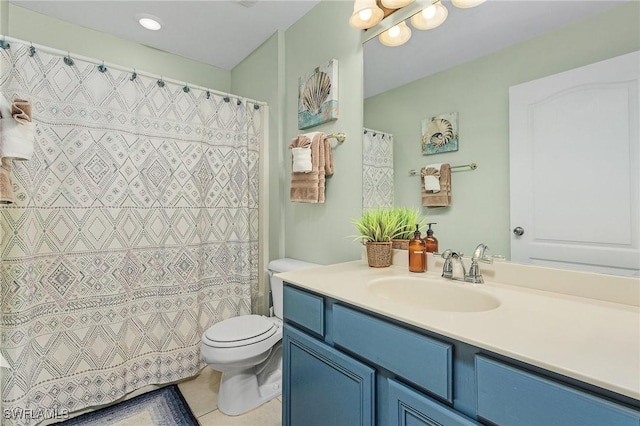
(201,393)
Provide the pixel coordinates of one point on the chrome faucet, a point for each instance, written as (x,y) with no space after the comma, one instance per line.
(479,255)
(450,257)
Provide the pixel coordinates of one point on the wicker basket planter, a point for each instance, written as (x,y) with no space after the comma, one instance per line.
(400,244)
(379,254)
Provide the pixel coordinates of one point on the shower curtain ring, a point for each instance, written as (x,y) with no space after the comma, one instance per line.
(208,94)
(102,68)
(161,82)
(186,89)
(256,106)
(68,60)
(4,44)
(226,98)
(32,50)
(134,75)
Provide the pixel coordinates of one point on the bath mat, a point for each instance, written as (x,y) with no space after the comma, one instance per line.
(162,407)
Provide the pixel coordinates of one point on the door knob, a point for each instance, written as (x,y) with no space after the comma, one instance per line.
(518,231)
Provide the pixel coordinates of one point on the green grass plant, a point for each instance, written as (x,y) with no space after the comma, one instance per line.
(378,225)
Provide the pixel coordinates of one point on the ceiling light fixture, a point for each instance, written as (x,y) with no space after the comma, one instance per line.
(396,35)
(466,4)
(366,14)
(149,22)
(430,17)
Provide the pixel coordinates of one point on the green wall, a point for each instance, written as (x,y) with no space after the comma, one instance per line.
(479,91)
(261,76)
(37,28)
(320,232)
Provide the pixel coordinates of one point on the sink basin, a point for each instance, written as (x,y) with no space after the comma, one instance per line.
(439,295)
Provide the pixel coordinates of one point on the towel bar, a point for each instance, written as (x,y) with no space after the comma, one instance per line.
(340,137)
(471,166)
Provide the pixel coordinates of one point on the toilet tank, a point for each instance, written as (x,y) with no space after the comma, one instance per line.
(282,265)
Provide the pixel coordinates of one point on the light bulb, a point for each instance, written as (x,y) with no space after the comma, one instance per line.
(365,14)
(429,12)
(396,35)
(431,17)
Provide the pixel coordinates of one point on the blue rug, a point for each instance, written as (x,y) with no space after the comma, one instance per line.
(162,407)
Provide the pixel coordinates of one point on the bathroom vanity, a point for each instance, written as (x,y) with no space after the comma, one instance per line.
(367,346)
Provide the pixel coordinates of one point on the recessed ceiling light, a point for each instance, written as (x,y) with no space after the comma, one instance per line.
(149,22)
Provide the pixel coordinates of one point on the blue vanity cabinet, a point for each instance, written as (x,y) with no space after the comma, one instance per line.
(322,386)
(347,366)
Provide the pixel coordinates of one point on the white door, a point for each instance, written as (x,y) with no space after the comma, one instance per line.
(574,160)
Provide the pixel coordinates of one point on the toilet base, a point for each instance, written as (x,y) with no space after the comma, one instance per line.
(243,390)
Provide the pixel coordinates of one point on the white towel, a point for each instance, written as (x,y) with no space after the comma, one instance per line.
(5,107)
(16,139)
(302,160)
(432,182)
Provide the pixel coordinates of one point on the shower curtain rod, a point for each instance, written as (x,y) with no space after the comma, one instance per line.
(6,41)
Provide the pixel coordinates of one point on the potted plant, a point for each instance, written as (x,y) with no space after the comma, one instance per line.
(408,218)
(377,228)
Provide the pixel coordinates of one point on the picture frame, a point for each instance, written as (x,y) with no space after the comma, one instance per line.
(318,96)
(440,134)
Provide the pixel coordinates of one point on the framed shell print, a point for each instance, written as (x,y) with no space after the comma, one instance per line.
(440,134)
(318,96)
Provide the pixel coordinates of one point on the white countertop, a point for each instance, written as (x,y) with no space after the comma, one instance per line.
(591,340)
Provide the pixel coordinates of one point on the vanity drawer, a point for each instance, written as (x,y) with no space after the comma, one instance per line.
(510,396)
(421,360)
(304,309)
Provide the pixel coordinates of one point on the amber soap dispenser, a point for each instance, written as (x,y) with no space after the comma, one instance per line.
(430,240)
(417,253)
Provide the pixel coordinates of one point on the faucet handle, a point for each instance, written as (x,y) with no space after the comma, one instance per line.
(479,254)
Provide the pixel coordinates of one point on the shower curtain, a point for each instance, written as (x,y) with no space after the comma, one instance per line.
(134,228)
(377,169)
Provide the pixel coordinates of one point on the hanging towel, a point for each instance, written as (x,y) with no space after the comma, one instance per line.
(17,132)
(301,155)
(432,181)
(309,187)
(6,188)
(301,159)
(328,156)
(5,107)
(443,197)
(21,110)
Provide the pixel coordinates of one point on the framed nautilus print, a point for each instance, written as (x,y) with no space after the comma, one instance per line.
(318,96)
(440,134)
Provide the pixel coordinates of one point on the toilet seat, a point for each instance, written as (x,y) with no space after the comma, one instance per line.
(239,331)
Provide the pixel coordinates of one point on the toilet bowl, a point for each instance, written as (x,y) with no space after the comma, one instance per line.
(248,351)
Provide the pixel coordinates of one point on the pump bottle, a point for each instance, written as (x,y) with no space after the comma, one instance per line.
(417,253)
(431,241)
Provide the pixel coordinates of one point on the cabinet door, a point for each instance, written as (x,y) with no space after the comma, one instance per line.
(510,396)
(322,386)
(410,408)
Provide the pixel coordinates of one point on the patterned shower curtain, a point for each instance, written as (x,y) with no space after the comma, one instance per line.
(377,169)
(134,229)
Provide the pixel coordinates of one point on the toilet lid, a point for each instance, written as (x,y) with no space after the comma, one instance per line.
(240,331)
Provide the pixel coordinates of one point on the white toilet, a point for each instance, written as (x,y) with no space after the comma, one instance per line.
(248,350)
